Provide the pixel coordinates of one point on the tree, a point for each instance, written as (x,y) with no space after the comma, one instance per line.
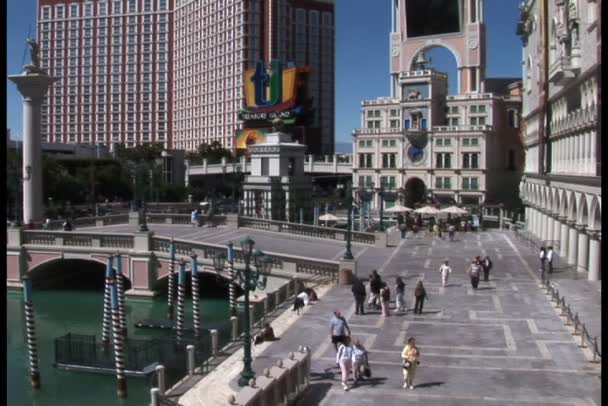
(213,152)
(143,152)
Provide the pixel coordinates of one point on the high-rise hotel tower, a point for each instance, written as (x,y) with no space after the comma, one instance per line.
(171,71)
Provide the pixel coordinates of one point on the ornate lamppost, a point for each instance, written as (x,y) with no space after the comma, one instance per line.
(365,196)
(250,281)
(349,202)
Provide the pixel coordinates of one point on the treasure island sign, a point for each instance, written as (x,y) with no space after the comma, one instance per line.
(276,93)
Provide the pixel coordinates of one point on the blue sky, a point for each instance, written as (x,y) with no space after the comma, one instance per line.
(362,53)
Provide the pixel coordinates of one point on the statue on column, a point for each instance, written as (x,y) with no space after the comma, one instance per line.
(34,65)
(278,125)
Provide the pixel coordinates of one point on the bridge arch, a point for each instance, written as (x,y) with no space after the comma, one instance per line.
(71,273)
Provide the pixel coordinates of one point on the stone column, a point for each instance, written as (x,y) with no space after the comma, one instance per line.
(534,219)
(549,229)
(556,233)
(595,255)
(543,226)
(583,249)
(572,243)
(527,212)
(33,85)
(563,238)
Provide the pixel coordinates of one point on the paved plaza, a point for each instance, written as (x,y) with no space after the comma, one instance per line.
(502,344)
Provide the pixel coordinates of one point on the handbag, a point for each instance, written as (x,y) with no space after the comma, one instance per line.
(367,372)
(406,364)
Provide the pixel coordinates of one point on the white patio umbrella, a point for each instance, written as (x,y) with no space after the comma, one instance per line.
(454,210)
(327,217)
(398,209)
(429,210)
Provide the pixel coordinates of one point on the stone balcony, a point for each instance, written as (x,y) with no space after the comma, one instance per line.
(575,120)
(564,69)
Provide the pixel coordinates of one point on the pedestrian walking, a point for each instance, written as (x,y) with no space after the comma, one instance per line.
(550,258)
(403,229)
(400,295)
(420,295)
(474,273)
(410,356)
(445,270)
(194,217)
(436,230)
(385,299)
(360,361)
(542,256)
(451,232)
(487,266)
(67,225)
(375,284)
(338,328)
(359,293)
(344,358)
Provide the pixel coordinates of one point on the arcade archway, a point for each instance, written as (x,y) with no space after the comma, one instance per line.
(415,191)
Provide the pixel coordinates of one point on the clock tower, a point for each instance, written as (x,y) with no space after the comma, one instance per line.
(457,25)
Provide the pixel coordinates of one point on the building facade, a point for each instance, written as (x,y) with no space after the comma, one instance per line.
(113,61)
(561,112)
(216,41)
(171,71)
(433,147)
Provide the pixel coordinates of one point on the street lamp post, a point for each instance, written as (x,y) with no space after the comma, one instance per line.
(250,281)
(381,195)
(349,201)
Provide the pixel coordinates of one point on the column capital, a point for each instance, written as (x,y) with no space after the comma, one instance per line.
(581,228)
(571,223)
(594,234)
(563,219)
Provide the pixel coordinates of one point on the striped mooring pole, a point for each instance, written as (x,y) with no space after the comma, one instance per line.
(30,328)
(181,290)
(119,354)
(171,289)
(232,285)
(107,309)
(195,295)
(120,285)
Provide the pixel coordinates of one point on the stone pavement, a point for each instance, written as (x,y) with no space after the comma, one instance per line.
(502,344)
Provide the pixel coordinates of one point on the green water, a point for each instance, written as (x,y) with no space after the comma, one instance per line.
(61,311)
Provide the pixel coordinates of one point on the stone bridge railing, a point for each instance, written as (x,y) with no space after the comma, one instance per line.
(145,256)
(306,230)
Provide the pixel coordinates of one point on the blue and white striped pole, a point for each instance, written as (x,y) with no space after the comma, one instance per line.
(195,295)
(171,290)
(122,310)
(119,355)
(30,328)
(232,286)
(181,290)
(105,328)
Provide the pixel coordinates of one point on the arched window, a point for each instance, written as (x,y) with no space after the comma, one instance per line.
(512,118)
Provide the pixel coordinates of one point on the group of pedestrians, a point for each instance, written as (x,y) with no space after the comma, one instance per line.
(352,357)
(380,295)
(476,268)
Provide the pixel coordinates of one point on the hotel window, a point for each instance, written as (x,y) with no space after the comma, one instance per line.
(439,142)
(466,142)
(481,121)
(454,110)
(454,121)
(58,11)
(365,160)
(394,113)
(470,184)
(365,181)
(443,161)
(470,160)
(388,181)
(388,161)
(394,123)
(46,13)
(473,109)
(370,113)
(443,182)
(473,120)
(474,142)
(74,10)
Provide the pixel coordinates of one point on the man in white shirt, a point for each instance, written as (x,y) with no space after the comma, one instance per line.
(445,270)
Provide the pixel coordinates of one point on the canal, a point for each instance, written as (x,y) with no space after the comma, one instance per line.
(78,309)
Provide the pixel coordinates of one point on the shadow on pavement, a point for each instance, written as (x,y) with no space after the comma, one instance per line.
(374,381)
(429,384)
(314,394)
(486,288)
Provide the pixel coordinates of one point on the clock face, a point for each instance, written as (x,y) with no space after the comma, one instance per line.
(395,51)
(472,44)
(415,154)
